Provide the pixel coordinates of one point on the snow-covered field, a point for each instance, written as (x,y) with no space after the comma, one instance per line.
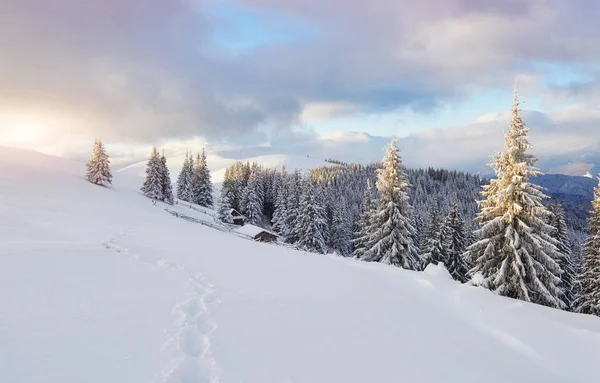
(99,285)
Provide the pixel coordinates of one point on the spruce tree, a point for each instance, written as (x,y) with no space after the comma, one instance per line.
(341,235)
(311,223)
(153,187)
(227,197)
(167,188)
(434,248)
(280,213)
(557,220)
(364,226)
(391,232)
(587,300)
(456,244)
(252,200)
(201,183)
(184,180)
(515,255)
(98,169)
(293,206)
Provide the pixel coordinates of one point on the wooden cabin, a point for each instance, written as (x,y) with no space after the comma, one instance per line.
(237,217)
(256,233)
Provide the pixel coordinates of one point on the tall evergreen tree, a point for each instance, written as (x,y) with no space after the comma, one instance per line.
(167,188)
(98,169)
(184,180)
(557,221)
(434,248)
(201,183)
(293,206)
(391,232)
(252,200)
(226,200)
(311,224)
(153,187)
(587,300)
(456,244)
(364,226)
(516,255)
(280,213)
(341,235)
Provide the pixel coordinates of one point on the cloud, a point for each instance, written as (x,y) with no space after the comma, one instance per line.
(151,70)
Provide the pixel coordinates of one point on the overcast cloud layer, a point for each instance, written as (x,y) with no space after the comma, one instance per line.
(147,71)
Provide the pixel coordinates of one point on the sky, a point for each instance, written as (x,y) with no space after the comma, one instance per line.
(331,78)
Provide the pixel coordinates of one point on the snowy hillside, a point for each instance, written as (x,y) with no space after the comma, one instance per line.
(218,163)
(99,285)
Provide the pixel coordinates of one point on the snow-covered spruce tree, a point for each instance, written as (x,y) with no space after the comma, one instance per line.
(311,223)
(280,213)
(434,249)
(515,254)
(364,225)
(227,197)
(293,206)
(98,169)
(341,233)
(201,184)
(587,299)
(252,201)
(167,188)
(184,180)
(557,221)
(391,232)
(456,244)
(152,187)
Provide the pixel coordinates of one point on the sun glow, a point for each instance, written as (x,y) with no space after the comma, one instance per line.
(25,133)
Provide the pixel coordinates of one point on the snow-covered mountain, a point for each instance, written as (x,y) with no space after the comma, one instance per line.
(97,284)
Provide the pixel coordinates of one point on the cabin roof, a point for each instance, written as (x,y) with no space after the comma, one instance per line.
(252,231)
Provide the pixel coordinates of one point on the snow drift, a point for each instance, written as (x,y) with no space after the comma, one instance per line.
(99,285)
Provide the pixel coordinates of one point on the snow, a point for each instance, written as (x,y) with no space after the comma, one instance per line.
(250,230)
(97,284)
(438,270)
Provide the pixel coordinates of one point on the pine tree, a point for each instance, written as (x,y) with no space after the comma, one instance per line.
(341,235)
(227,197)
(293,206)
(587,300)
(153,187)
(184,180)
(557,221)
(252,200)
(516,255)
(167,188)
(434,248)
(311,224)
(280,213)
(201,184)
(363,233)
(98,169)
(456,244)
(391,232)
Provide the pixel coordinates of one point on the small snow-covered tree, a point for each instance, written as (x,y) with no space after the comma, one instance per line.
(153,187)
(515,255)
(587,299)
(252,201)
(557,220)
(311,224)
(167,188)
(364,225)
(391,231)
(201,183)
(456,244)
(98,169)
(184,180)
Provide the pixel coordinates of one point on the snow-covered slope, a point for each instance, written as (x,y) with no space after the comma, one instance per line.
(99,285)
(217,164)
